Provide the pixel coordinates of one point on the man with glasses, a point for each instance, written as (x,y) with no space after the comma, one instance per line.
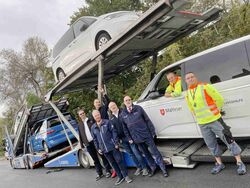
(86,139)
(139,129)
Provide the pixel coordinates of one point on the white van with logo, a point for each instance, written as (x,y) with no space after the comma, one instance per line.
(227,67)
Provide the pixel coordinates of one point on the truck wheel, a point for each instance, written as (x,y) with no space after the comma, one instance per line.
(46,147)
(101,40)
(83,159)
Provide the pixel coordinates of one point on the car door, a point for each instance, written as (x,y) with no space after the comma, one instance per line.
(82,46)
(170,116)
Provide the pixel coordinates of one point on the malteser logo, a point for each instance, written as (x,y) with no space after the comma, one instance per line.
(164,111)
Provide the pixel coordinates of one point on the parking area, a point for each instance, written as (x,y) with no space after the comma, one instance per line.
(78,177)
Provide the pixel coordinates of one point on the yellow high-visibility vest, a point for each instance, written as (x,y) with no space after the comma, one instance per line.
(174,88)
(205,102)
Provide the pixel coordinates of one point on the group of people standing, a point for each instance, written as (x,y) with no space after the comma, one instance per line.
(129,128)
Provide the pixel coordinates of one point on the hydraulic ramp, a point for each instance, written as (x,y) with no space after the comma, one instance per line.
(160,26)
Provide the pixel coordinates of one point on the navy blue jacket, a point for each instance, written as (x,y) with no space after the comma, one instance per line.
(136,125)
(105,138)
(118,124)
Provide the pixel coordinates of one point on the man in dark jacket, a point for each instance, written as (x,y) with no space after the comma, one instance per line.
(131,149)
(139,129)
(106,143)
(103,109)
(86,140)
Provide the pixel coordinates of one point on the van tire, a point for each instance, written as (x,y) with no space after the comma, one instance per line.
(83,159)
(101,40)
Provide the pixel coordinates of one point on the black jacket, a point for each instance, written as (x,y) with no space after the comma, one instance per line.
(103,109)
(118,125)
(82,134)
(137,125)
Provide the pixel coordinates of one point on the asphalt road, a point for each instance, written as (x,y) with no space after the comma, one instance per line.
(85,178)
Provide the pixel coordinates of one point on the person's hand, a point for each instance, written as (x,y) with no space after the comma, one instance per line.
(101,89)
(116,146)
(131,141)
(168,95)
(100,151)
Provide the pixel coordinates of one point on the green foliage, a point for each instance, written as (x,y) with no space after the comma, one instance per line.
(100,7)
(32,99)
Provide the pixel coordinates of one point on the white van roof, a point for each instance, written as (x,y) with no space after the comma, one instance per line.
(209,51)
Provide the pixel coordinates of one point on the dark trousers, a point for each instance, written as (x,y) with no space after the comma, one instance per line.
(134,153)
(150,150)
(93,153)
(115,158)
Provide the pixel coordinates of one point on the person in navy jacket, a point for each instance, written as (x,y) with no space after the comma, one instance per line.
(107,144)
(139,129)
(131,149)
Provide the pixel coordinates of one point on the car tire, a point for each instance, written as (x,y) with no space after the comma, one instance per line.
(46,147)
(83,159)
(101,40)
(60,75)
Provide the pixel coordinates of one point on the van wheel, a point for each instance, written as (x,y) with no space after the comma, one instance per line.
(101,40)
(83,159)
(46,147)
(60,75)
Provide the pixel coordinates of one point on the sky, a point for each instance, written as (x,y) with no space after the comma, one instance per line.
(22,19)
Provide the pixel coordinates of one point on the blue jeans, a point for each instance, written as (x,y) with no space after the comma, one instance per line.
(134,153)
(115,158)
(150,150)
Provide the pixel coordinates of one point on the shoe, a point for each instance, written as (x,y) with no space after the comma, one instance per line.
(217,168)
(108,174)
(119,181)
(138,172)
(165,174)
(152,173)
(144,171)
(99,176)
(241,170)
(113,174)
(128,179)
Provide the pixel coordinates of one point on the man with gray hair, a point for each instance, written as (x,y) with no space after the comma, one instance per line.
(106,142)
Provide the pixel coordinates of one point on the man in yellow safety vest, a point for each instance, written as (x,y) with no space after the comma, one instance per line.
(174,88)
(206,102)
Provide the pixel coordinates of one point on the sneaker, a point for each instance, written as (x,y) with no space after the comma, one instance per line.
(165,174)
(113,174)
(99,176)
(119,181)
(152,173)
(138,172)
(128,179)
(241,170)
(217,168)
(108,174)
(144,171)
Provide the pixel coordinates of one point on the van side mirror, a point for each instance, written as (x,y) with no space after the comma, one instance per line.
(154,95)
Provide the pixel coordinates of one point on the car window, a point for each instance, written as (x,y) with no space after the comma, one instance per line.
(43,127)
(82,24)
(223,64)
(36,127)
(56,121)
(163,82)
(66,39)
